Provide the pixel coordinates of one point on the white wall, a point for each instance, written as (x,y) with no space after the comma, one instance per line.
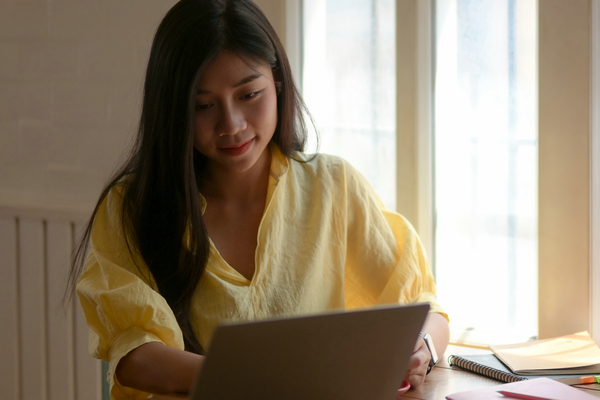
(71,75)
(70,86)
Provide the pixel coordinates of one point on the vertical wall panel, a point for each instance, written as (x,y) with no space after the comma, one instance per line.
(59,316)
(564,187)
(88,370)
(9,337)
(43,342)
(32,310)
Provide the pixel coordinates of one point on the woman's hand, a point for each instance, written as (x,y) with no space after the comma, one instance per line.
(418,364)
(437,326)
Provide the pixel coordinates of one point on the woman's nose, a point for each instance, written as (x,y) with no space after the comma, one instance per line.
(231,121)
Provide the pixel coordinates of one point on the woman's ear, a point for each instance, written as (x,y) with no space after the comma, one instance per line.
(278,86)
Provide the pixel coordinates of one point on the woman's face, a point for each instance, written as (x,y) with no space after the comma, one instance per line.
(236,112)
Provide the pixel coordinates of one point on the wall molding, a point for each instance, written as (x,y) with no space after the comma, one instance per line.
(54,214)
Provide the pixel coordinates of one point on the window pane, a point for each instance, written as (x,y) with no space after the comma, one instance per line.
(348,83)
(486,164)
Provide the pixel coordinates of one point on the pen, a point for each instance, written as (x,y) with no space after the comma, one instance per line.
(513,395)
(580,380)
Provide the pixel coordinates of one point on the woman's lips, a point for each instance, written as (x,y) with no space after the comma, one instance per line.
(237,150)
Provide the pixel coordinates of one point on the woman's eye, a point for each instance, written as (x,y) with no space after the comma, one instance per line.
(250,95)
(201,107)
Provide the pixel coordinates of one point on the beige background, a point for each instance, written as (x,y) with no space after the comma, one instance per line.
(71,74)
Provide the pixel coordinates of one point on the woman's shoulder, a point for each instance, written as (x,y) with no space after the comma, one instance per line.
(333,168)
(109,212)
(322,163)
(110,237)
(116,191)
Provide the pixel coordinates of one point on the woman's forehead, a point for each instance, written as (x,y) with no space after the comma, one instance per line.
(228,69)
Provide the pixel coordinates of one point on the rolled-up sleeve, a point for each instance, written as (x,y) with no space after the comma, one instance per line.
(118,297)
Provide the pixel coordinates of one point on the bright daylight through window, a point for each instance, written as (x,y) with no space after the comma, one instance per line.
(486,164)
(349,84)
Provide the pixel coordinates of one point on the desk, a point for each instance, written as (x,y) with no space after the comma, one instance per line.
(444,380)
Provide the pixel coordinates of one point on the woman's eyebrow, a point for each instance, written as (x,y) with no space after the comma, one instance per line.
(245,80)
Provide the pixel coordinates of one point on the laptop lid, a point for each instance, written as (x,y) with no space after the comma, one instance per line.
(353,355)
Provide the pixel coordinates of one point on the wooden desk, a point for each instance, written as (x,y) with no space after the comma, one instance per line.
(444,380)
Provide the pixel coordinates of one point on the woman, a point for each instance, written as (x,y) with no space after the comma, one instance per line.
(219,216)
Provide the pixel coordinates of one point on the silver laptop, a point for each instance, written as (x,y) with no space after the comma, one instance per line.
(357,355)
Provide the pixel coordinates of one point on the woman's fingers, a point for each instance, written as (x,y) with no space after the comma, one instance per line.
(418,364)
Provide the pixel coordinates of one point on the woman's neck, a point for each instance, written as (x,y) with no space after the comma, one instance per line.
(238,187)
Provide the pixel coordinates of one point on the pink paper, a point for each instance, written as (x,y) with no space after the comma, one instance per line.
(542,387)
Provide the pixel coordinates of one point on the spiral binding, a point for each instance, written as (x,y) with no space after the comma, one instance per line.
(484,370)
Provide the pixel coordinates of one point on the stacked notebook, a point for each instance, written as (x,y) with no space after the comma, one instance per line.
(562,358)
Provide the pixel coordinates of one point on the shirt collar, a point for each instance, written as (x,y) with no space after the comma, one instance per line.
(279,162)
(279,167)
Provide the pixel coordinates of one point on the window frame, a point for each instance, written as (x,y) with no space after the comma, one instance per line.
(564,157)
(293,38)
(414,117)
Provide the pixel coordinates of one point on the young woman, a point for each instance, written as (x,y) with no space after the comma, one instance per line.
(219,216)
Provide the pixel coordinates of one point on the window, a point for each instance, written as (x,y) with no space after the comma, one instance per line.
(349,84)
(485,101)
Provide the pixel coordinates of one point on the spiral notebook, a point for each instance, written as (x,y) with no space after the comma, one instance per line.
(490,366)
(486,365)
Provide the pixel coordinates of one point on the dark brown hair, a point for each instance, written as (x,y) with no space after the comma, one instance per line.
(161,199)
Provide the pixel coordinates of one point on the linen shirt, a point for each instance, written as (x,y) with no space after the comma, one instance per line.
(325,242)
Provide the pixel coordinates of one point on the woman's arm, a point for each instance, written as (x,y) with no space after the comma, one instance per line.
(436,325)
(157,368)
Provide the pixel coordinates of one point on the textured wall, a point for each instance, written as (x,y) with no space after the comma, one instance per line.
(71,75)
(70,84)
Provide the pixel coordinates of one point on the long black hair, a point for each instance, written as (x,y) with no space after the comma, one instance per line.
(161,202)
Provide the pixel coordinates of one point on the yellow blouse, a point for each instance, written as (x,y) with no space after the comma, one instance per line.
(325,242)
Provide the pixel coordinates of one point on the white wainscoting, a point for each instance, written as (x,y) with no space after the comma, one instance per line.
(44,344)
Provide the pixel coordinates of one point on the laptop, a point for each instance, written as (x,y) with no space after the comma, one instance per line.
(355,355)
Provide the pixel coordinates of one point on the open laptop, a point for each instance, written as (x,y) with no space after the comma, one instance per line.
(356,355)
